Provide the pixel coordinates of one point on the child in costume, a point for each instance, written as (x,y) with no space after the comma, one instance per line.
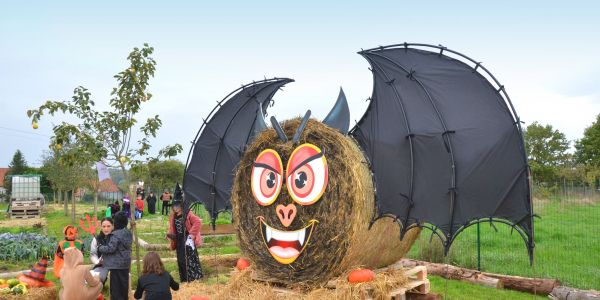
(77,282)
(184,235)
(126,207)
(70,241)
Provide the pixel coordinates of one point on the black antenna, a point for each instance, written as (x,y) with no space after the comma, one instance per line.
(301,127)
(278,129)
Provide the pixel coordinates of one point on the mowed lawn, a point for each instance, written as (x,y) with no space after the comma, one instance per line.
(567,240)
(558,251)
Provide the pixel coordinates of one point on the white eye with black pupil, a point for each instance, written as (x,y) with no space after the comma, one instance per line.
(266,178)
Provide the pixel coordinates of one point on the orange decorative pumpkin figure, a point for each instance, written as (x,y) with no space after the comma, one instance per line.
(70,241)
(37,276)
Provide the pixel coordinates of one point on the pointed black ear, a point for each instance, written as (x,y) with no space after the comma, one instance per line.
(339,116)
(259,124)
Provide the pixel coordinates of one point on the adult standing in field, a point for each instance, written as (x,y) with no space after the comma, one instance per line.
(101,239)
(115,208)
(185,237)
(151,199)
(166,198)
(116,256)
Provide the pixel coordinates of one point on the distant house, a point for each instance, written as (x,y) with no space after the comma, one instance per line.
(110,191)
(3,172)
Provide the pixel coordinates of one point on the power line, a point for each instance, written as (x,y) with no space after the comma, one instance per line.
(31,138)
(23,131)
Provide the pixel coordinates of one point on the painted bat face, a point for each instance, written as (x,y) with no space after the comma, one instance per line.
(294,203)
(305,179)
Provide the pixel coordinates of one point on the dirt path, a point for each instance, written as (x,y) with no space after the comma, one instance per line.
(41,222)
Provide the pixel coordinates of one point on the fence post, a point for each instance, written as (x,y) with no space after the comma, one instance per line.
(478,249)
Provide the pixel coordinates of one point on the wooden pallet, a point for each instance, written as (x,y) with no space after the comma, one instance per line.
(417,284)
(25,213)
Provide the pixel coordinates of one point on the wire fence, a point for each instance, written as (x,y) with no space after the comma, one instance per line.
(567,239)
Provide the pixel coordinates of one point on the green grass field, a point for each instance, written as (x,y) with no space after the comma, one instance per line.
(567,248)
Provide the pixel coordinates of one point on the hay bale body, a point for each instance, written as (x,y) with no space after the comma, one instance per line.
(341,240)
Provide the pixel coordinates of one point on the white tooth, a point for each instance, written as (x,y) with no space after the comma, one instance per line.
(301,235)
(285,236)
(268,231)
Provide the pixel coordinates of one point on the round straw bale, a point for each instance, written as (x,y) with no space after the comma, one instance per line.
(340,238)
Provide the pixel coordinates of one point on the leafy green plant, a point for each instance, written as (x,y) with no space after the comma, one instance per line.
(25,246)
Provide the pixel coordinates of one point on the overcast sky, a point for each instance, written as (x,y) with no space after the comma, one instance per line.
(546,56)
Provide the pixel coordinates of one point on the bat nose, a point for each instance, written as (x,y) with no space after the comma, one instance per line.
(286,214)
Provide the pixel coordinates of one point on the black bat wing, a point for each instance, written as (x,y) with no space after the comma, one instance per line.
(445,148)
(221,141)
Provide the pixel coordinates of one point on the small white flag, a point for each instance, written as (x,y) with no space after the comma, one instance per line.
(102,171)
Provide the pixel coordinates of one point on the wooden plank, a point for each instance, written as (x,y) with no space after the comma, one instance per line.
(24,216)
(32,203)
(37,210)
(25,213)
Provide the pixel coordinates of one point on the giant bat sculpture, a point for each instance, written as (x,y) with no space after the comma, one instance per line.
(439,147)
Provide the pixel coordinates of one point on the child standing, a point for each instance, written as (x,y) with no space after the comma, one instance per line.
(139,207)
(116,256)
(155,281)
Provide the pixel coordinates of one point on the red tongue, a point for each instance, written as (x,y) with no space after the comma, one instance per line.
(284,244)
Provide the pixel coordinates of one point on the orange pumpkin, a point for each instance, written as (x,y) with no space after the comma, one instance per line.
(361,275)
(242,264)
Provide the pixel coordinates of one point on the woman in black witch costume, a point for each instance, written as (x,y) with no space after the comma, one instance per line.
(185,237)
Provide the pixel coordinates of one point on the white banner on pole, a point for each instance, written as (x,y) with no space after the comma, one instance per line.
(102,171)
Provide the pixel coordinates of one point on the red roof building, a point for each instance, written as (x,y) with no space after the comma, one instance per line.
(3,172)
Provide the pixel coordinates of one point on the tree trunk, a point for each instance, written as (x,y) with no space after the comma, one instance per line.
(539,286)
(54,199)
(133,224)
(95,202)
(456,273)
(73,207)
(65,203)
(563,292)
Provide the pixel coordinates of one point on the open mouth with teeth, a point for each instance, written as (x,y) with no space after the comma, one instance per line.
(286,246)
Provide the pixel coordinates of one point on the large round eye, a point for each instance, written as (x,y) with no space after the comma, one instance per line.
(307,174)
(266,177)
